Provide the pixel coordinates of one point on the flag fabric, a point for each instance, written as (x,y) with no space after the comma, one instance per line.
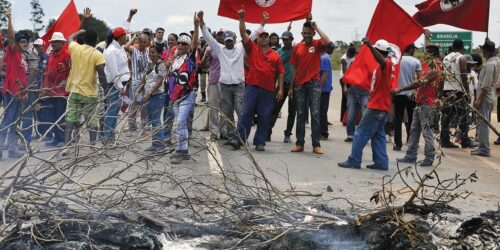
(280,11)
(391,23)
(67,23)
(465,14)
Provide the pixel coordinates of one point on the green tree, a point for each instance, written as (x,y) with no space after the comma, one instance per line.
(37,15)
(33,35)
(98,25)
(4,6)
(51,22)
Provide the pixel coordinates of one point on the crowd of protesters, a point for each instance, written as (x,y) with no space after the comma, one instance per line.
(77,81)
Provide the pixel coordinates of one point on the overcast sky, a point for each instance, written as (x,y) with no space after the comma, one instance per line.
(340,19)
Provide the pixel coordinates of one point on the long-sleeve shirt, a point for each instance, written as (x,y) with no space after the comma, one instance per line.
(116,68)
(231,60)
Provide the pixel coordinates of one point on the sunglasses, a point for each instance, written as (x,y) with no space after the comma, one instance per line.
(23,41)
(183,44)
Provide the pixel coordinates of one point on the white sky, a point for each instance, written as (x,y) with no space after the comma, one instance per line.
(340,19)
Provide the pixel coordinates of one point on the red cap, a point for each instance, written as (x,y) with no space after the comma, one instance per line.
(119,31)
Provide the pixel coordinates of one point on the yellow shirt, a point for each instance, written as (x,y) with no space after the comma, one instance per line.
(82,76)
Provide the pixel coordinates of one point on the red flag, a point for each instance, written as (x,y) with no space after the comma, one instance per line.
(465,14)
(280,11)
(389,22)
(67,23)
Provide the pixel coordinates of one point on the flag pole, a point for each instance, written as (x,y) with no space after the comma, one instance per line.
(488,20)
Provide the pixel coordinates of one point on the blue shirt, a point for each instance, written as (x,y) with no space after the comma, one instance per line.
(326,65)
(40,71)
(408,67)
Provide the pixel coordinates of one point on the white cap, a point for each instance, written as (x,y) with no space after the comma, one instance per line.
(38,42)
(184,39)
(58,36)
(382,45)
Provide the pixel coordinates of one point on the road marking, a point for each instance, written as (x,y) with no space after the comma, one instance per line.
(214,157)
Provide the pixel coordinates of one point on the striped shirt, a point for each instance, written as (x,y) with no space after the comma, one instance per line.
(139,61)
(231,60)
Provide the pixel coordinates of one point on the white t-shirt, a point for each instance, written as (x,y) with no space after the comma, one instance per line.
(156,71)
(348,60)
(451,66)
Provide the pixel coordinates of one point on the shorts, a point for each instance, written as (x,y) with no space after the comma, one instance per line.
(78,106)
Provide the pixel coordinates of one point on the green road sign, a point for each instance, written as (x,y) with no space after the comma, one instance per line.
(445,39)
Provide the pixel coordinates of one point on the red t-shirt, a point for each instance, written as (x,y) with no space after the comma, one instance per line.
(16,71)
(427,94)
(380,95)
(306,61)
(263,69)
(57,71)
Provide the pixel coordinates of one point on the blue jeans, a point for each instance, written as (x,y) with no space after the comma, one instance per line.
(12,105)
(168,117)
(27,113)
(421,124)
(255,101)
(308,97)
(111,116)
(53,108)
(182,109)
(355,103)
(371,128)
(155,106)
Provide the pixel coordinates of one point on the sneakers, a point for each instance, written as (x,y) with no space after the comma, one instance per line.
(448,145)
(235,144)
(260,148)
(176,159)
(15,154)
(287,139)
(469,143)
(214,137)
(427,163)
(323,137)
(347,165)
(497,142)
(297,149)
(317,150)
(479,153)
(348,139)
(406,160)
(375,167)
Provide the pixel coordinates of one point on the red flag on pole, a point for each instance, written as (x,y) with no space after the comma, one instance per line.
(279,11)
(67,23)
(465,14)
(389,22)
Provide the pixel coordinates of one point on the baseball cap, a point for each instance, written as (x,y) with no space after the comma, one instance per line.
(287,35)
(264,32)
(147,31)
(470,60)
(382,45)
(38,42)
(184,39)
(488,46)
(229,35)
(118,31)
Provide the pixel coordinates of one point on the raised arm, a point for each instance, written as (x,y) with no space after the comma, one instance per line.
(256,33)
(87,14)
(128,46)
(131,15)
(378,57)
(196,34)
(216,47)
(428,36)
(324,38)
(11,34)
(243,28)
(74,35)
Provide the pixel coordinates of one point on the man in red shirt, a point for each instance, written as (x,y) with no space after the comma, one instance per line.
(14,89)
(423,116)
(306,58)
(265,66)
(373,121)
(53,89)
